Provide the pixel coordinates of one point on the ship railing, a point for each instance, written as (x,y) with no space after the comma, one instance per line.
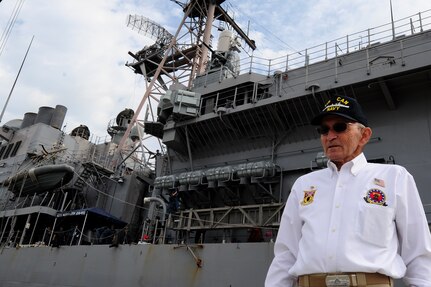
(101,159)
(335,49)
(407,26)
(99,139)
(90,154)
(231,98)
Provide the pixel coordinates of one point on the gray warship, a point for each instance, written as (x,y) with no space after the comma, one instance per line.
(192,194)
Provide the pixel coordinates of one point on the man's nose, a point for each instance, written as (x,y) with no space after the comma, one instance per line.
(331,135)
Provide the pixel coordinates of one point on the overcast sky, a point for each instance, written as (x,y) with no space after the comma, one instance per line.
(80,47)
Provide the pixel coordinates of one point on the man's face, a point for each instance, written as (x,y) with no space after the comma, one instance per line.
(340,145)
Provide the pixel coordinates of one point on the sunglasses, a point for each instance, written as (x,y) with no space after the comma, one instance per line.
(339,127)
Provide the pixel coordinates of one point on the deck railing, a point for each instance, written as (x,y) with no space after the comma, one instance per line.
(407,26)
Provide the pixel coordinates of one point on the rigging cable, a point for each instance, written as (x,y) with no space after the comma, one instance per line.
(11,22)
(16,79)
(267,31)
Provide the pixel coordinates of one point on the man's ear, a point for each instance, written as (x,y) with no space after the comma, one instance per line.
(366,135)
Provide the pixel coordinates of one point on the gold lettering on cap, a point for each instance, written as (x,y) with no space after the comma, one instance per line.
(342,100)
(333,108)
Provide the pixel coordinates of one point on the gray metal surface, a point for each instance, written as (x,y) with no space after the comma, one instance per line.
(137,265)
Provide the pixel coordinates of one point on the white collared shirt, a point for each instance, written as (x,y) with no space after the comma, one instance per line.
(363,218)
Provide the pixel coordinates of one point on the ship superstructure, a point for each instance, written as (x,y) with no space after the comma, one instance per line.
(193,193)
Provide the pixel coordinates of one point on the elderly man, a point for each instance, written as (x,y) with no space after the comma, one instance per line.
(354,223)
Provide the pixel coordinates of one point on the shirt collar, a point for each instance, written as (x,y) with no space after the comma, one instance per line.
(355,164)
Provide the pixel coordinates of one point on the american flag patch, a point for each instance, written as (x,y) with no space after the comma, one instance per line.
(379,182)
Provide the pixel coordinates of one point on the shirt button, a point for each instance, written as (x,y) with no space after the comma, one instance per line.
(333,229)
(337,206)
(331,257)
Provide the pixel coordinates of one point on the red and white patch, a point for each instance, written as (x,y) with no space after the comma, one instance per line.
(376,196)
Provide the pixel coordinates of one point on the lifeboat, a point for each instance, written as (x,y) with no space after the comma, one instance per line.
(40,179)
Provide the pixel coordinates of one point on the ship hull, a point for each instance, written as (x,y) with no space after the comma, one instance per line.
(230,264)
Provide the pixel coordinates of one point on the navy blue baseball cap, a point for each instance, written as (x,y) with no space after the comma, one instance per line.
(342,106)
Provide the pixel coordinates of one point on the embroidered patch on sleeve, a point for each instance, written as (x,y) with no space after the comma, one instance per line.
(376,196)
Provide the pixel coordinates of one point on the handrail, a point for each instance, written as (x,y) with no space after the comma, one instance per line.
(407,26)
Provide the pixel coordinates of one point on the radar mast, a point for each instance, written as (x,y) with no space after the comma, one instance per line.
(175,60)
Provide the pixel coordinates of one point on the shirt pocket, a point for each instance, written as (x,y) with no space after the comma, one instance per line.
(375,224)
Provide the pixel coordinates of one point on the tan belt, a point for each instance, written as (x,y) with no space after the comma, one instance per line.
(344,280)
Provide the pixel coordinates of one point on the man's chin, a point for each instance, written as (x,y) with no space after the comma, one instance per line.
(333,157)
